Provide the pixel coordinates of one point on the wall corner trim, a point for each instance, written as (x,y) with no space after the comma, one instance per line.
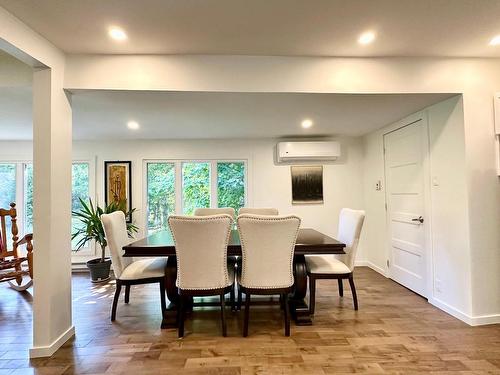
(47,351)
(367,263)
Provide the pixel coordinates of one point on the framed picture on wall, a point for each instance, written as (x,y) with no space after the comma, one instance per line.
(118,184)
(307,184)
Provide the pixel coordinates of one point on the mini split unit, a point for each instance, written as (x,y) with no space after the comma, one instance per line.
(307,151)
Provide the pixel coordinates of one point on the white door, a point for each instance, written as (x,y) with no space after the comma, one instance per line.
(405,152)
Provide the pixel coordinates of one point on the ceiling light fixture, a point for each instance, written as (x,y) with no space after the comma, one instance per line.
(495,41)
(117,34)
(366,38)
(307,123)
(133,125)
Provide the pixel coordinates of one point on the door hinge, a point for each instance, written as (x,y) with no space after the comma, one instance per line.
(385,206)
(388,264)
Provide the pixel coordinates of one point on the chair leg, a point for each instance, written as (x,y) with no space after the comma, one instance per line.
(353,290)
(240,297)
(247,314)
(312,294)
(287,314)
(180,316)
(127,293)
(115,300)
(231,298)
(223,314)
(341,288)
(162,299)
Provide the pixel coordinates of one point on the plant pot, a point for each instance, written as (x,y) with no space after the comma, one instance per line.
(99,271)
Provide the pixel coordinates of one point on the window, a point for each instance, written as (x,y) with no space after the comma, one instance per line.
(160,195)
(28,198)
(16,185)
(80,189)
(7,192)
(184,185)
(195,186)
(231,184)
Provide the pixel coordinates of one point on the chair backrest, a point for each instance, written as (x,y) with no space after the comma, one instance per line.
(115,228)
(350,225)
(268,245)
(6,214)
(215,211)
(201,250)
(258,211)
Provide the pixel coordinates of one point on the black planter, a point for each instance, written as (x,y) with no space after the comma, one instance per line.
(99,271)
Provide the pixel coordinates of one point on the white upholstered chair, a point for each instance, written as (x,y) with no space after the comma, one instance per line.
(268,245)
(201,250)
(340,266)
(232,261)
(215,211)
(127,271)
(258,211)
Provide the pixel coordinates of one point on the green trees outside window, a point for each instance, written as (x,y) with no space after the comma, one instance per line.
(231,184)
(195,186)
(28,198)
(160,194)
(79,189)
(7,191)
(79,192)
(196,190)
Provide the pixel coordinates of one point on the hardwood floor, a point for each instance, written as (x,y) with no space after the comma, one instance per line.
(394,331)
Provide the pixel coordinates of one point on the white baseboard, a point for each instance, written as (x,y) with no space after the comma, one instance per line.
(366,263)
(47,351)
(469,319)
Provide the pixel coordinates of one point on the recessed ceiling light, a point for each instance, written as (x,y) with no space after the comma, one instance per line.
(307,123)
(133,125)
(495,41)
(366,38)
(117,33)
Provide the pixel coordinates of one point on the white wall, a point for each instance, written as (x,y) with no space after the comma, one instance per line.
(268,184)
(52,320)
(477,79)
(448,211)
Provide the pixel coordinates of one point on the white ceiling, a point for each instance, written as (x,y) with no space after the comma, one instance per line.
(199,115)
(264,27)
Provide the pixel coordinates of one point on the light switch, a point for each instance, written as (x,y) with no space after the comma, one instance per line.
(378,185)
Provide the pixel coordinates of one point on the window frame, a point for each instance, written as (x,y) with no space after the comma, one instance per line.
(179,206)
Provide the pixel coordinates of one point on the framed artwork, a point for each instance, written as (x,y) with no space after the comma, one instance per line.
(118,184)
(307,184)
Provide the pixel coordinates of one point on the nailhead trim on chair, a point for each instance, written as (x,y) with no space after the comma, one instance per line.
(292,245)
(205,218)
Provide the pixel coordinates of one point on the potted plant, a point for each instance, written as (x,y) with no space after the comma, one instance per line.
(92,230)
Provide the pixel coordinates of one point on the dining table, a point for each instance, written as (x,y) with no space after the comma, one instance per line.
(309,242)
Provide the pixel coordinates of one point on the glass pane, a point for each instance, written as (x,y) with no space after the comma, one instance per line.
(80,189)
(7,194)
(28,198)
(161,194)
(231,184)
(195,186)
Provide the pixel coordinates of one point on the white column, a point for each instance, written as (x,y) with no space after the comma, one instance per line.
(52,321)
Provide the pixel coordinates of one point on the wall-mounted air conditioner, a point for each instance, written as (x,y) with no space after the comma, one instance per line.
(307,151)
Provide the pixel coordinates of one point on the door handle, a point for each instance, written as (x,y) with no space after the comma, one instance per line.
(420,219)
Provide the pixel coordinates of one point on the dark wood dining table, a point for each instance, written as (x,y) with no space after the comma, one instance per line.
(309,242)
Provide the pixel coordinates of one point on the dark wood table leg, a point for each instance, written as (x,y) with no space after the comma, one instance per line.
(170,316)
(298,305)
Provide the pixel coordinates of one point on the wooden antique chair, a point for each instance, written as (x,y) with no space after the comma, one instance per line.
(12,265)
